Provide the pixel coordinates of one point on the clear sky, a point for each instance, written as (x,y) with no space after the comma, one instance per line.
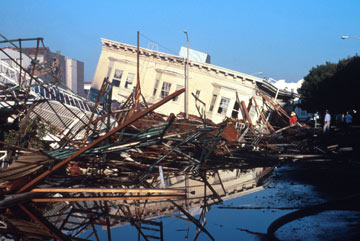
(283,39)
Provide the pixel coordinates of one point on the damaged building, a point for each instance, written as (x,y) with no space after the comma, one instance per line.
(220,90)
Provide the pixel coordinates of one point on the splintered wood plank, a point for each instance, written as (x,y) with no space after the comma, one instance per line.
(23,173)
(25,164)
(123,198)
(29,227)
(110,190)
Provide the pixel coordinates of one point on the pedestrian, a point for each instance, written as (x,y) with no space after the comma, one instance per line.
(293,119)
(327,121)
(348,118)
(348,121)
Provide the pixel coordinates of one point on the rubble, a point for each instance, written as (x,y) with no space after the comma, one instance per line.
(70,164)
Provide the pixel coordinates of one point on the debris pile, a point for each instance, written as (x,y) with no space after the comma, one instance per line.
(71,164)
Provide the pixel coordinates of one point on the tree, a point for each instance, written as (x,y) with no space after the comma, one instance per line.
(332,86)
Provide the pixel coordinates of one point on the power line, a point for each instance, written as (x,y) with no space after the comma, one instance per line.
(162,46)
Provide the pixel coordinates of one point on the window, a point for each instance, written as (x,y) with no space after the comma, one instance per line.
(61,97)
(224,102)
(129,81)
(235,111)
(42,91)
(115,83)
(156,86)
(67,100)
(47,95)
(71,101)
(118,74)
(57,94)
(51,94)
(87,107)
(76,103)
(117,77)
(197,94)
(81,105)
(178,87)
(212,104)
(165,90)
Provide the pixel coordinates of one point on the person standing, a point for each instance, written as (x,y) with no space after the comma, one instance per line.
(348,118)
(293,119)
(348,121)
(327,121)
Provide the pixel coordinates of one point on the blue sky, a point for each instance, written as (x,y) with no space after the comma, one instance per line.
(283,39)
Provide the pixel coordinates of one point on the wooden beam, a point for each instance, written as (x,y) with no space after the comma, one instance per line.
(57,234)
(248,118)
(100,139)
(109,190)
(266,123)
(123,198)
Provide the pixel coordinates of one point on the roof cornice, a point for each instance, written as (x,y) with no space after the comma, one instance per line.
(173,58)
(205,66)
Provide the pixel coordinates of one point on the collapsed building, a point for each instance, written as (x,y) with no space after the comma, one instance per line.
(220,90)
(73,165)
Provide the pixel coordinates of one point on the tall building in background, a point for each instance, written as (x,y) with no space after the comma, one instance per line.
(74,75)
(69,71)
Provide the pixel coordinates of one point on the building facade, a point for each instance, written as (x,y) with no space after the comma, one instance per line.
(162,74)
(69,71)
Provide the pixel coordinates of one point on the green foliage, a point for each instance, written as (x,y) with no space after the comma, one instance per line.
(35,131)
(332,86)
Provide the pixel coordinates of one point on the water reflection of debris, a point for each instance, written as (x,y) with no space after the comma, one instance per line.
(76,211)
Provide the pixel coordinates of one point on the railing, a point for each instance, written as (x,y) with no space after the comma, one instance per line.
(3,162)
(64,109)
(10,75)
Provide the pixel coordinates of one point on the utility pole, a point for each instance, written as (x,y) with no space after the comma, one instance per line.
(186,96)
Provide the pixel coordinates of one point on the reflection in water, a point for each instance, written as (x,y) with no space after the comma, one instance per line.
(77,212)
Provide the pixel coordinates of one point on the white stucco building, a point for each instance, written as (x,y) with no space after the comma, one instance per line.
(162,74)
(293,87)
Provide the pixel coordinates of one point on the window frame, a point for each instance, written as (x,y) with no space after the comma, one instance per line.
(156,86)
(178,87)
(235,111)
(129,80)
(213,102)
(165,92)
(223,105)
(117,75)
(116,82)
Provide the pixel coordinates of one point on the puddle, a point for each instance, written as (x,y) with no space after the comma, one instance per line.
(289,188)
